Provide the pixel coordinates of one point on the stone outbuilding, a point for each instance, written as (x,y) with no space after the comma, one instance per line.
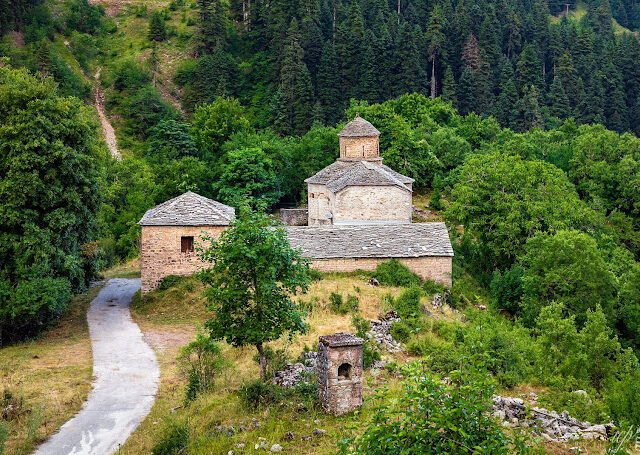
(339,365)
(358,188)
(424,248)
(170,232)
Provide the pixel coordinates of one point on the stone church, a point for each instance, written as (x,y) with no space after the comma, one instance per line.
(359,215)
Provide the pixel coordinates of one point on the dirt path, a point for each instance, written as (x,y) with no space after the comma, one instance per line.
(126,378)
(107,129)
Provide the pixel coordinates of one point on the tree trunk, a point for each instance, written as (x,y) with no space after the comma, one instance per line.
(263,362)
(433,77)
(398,12)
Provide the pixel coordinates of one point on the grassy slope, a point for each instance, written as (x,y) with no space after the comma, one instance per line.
(52,375)
(168,320)
(579,12)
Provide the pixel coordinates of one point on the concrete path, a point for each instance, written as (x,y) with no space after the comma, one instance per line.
(126,378)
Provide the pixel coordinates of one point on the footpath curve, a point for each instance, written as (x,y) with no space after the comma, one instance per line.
(126,380)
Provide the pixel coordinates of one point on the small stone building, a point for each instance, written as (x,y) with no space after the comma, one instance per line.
(358,188)
(170,232)
(424,248)
(339,364)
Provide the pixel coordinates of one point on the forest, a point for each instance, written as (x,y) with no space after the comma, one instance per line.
(519,118)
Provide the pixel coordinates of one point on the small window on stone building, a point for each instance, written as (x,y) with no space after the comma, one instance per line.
(344,371)
(186,244)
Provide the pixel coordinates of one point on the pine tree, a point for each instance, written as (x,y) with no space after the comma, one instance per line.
(484,82)
(514,37)
(312,43)
(437,39)
(471,54)
(292,68)
(557,100)
(157,27)
(466,92)
(370,89)
(329,85)
(529,69)
(303,104)
(43,57)
(280,114)
(507,110)
(603,20)
(213,24)
(408,70)
(530,106)
(635,117)
(449,88)
(568,76)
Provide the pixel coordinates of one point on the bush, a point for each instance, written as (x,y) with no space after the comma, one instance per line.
(315,274)
(506,289)
(369,353)
(400,331)
(201,361)
(394,273)
(173,440)
(169,281)
(433,417)
(257,394)
(339,306)
(431,287)
(408,305)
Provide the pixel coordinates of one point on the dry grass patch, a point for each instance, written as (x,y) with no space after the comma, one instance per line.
(129,269)
(51,376)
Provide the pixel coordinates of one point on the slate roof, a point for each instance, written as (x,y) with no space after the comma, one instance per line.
(341,339)
(371,241)
(341,174)
(189,209)
(359,127)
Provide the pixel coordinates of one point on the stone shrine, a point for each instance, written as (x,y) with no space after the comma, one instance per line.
(339,365)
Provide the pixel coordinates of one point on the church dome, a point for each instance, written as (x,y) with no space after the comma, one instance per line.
(359,127)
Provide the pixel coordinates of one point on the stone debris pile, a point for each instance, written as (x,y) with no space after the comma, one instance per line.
(551,425)
(380,333)
(295,374)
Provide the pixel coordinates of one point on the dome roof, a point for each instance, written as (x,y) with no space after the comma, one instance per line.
(359,127)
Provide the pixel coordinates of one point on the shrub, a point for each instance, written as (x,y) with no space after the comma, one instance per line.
(431,287)
(339,306)
(394,273)
(408,305)
(400,331)
(173,440)
(361,325)
(433,417)
(276,359)
(315,274)
(369,353)
(201,361)
(169,281)
(506,289)
(257,394)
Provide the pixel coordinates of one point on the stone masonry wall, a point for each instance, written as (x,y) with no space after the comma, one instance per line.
(359,147)
(161,255)
(436,268)
(377,203)
(319,203)
(294,217)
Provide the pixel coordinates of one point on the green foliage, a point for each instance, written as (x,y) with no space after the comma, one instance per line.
(157,27)
(506,289)
(248,174)
(369,353)
(50,192)
(214,123)
(253,275)
(170,140)
(394,273)
(276,360)
(145,109)
(430,416)
(400,331)
(173,439)
(201,361)
(258,394)
(338,305)
(566,267)
(408,305)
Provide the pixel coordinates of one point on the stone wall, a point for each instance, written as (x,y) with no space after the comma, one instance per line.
(161,255)
(436,268)
(294,217)
(372,203)
(319,203)
(359,147)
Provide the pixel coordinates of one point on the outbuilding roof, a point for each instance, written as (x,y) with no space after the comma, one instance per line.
(341,174)
(189,209)
(371,241)
(359,127)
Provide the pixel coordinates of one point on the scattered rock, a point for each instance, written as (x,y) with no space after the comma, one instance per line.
(318,432)
(292,375)
(276,448)
(289,436)
(240,445)
(262,444)
(437,301)
(380,364)
(584,394)
(482,307)
(380,333)
(551,425)
(374,282)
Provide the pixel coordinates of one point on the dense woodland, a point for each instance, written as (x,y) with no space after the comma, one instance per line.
(522,121)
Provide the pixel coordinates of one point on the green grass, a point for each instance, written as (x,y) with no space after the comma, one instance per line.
(580,11)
